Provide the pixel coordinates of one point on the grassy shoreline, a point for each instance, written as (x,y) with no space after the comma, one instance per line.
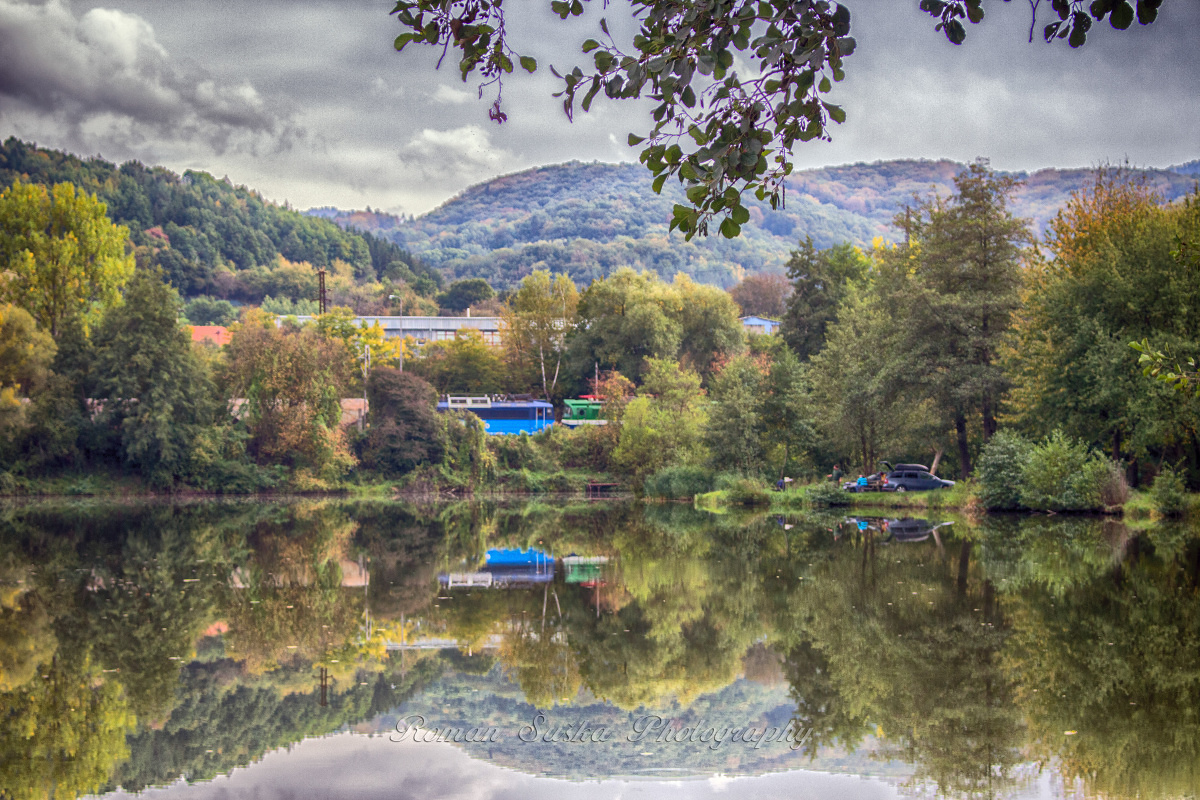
(119,485)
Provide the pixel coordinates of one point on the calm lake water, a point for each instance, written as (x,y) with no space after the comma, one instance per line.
(483,650)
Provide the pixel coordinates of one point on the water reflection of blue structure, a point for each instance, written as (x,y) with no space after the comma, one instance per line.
(504,568)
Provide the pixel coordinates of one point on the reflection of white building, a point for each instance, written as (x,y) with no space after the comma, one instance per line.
(430,329)
(354,574)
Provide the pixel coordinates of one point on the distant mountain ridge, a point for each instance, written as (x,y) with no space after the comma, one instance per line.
(588,219)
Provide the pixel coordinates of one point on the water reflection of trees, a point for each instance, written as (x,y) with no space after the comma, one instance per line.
(1106,668)
(907,638)
(968,655)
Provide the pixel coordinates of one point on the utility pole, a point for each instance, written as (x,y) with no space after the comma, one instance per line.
(366,371)
(321,291)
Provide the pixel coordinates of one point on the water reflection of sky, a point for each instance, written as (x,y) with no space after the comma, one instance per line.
(366,767)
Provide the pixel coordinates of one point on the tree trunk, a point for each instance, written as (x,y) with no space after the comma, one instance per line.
(989,419)
(937,459)
(964,451)
(862,438)
(964,563)
(1116,444)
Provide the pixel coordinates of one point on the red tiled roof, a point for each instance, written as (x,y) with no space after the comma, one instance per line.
(217,334)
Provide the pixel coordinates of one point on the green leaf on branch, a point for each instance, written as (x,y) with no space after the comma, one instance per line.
(1121,16)
(836,113)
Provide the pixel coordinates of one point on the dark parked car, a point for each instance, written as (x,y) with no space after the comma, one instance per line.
(900,478)
(905,479)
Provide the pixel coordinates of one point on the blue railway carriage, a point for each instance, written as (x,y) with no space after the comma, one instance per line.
(503,415)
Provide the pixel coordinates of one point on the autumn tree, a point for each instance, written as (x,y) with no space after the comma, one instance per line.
(404,424)
(286,384)
(537,319)
(60,255)
(25,357)
(664,425)
(465,364)
(761,295)
(710,330)
(1120,272)
(629,317)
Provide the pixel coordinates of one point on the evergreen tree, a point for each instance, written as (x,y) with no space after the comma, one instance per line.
(819,280)
(786,411)
(735,423)
(156,394)
(953,286)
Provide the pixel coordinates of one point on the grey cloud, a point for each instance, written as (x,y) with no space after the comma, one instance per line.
(459,153)
(104,74)
(217,85)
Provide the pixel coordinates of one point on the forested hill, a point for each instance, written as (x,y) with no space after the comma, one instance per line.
(209,236)
(587,219)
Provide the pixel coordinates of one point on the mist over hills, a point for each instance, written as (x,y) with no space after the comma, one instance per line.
(588,219)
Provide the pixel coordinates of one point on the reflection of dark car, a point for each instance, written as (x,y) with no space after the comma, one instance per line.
(908,529)
(905,529)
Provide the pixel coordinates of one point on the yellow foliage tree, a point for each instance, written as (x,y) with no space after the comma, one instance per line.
(60,255)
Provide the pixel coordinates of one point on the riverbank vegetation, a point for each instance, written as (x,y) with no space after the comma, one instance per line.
(969,346)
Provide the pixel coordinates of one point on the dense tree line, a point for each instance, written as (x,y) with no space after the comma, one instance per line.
(207,235)
(918,351)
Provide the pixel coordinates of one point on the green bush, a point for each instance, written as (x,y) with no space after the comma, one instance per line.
(742,491)
(1000,470)
(518,452)
(218,463)
(827,493)
(83,487)
(1168,493)
(584,447)
(1062,474)
(678,483)
(9,483)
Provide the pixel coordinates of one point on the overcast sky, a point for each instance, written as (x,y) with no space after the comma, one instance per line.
(306,101)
